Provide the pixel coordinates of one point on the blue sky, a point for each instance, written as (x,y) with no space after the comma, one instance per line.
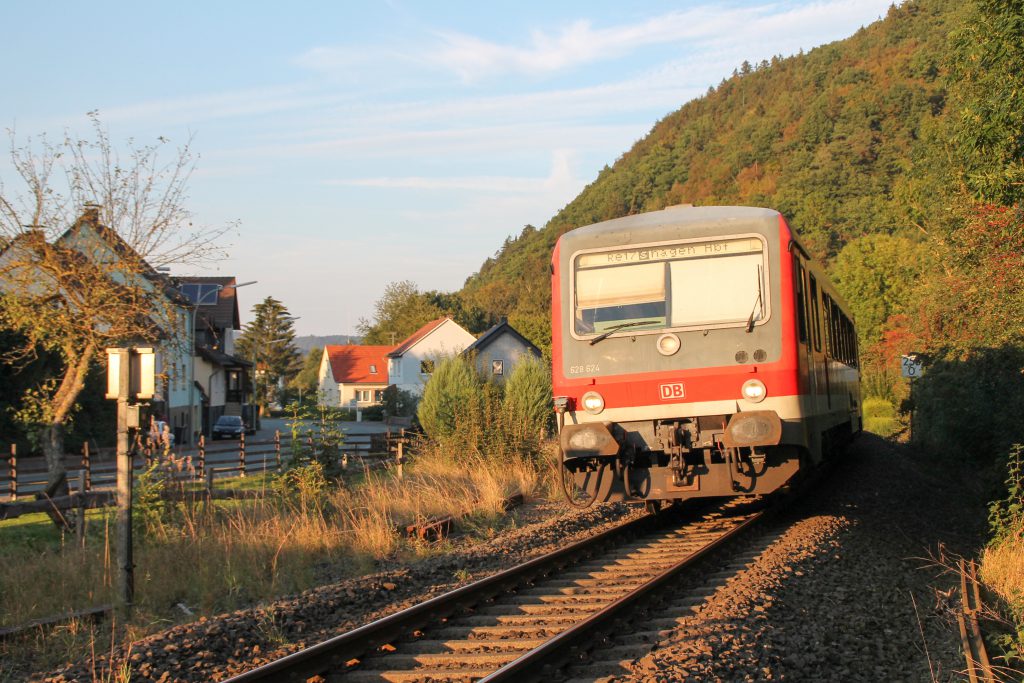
(361,143)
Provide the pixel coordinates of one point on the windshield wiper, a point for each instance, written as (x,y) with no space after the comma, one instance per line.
(758,304)
(616,328)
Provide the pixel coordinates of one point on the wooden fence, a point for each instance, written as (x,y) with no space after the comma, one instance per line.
(92,480)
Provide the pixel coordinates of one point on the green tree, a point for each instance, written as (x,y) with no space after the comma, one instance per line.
(402,310)
(306,381)
(880,276)
(269,343)
(987,95)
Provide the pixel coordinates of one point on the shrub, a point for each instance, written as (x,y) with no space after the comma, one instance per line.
(399,402)
(452,395)
(880,416)
(527,404)
(972,406)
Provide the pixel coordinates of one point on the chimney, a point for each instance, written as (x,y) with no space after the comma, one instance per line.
(91,212)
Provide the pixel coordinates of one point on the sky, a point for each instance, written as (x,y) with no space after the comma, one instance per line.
(362,143)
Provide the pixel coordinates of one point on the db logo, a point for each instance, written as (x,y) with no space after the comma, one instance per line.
(669,391)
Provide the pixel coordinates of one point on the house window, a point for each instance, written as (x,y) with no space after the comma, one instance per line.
(394,368)
(373,369)
(497,367)
(378,395)
(201,294)
(427,367)
(363,395)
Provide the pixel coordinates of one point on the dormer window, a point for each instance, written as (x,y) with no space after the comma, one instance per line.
(373,369)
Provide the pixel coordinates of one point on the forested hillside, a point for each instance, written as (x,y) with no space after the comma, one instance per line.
(855,142)
(895,153)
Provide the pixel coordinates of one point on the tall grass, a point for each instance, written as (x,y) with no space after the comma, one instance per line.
(1002,561)
(880,416)
(212,557)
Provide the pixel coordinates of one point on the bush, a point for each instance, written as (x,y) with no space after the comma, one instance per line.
(527,404)
(972,406)
(399,402)
(374,413)
(880,416)
(453,394)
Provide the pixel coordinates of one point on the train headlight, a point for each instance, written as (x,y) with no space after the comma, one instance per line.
(668,344)
(593,402)
(754,390)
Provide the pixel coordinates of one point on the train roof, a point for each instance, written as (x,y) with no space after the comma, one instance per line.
(700,218)
(687,221)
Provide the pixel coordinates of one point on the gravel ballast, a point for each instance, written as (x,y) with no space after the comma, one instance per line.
(844,593)
(850,591)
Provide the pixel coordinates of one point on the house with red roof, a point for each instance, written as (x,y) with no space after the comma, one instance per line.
(411,363)
(353,376)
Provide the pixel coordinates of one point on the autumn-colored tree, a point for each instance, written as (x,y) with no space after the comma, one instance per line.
(74,282)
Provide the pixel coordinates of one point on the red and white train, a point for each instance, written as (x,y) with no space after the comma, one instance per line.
(697,352)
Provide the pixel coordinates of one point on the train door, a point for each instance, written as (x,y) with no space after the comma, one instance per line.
(805,356)
(819,367)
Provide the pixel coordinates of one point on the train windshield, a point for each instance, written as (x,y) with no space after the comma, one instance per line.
(694,284)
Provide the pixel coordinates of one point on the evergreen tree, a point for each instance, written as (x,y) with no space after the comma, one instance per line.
(453,394)
(527,401)
(307,380)
(268,342)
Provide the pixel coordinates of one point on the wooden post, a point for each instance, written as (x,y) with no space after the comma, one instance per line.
(241,454)
(202,455)
(209,480)
(400,459)
(85,481)
(80,519)
(277,447)
(12,472)
(125,471)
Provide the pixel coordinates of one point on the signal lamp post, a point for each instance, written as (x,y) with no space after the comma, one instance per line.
(130,375)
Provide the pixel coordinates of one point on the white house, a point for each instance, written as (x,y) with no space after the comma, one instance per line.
(412,362)
(170,321)
(353,376)
(178,400)
(224,381)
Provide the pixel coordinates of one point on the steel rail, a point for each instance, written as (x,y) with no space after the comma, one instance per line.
(531,661)
(342,648)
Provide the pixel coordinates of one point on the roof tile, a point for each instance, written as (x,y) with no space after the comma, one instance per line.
(352,364)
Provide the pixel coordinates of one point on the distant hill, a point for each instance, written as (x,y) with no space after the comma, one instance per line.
(835,138)
(310,341)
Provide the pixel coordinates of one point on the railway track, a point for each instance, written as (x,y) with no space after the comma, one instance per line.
(512,625)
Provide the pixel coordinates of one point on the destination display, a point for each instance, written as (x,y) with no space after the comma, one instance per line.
(671,252)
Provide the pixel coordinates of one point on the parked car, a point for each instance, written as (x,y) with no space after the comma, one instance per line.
(228,426)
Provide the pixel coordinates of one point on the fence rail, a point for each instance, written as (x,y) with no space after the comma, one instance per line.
(91,481)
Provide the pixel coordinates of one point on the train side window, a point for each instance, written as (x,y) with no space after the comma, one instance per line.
(847,356)
(801,299)
(826,315)
(815,319)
